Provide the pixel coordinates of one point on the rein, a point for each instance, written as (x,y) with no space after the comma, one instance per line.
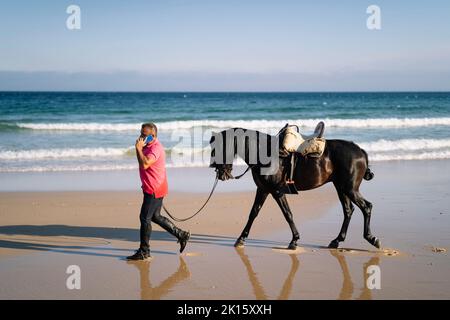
(207,200)
(242,174)
(201,208)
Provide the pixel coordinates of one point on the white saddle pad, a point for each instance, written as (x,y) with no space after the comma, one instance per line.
(296,142)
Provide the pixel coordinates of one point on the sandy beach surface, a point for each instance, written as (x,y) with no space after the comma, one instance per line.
(42,233)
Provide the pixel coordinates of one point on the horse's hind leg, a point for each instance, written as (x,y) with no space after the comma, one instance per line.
(260,197)
(284,206)
(366,208)
(348,209)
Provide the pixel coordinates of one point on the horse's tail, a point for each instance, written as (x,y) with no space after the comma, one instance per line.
(368,175)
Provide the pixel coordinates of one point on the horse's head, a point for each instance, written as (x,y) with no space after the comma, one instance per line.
(223,169)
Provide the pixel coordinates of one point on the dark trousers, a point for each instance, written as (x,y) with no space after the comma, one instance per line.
(151,212)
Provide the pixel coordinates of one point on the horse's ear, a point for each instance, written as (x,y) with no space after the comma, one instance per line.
(213,137)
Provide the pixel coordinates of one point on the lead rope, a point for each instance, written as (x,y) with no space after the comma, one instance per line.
(242,174)
(198,211)
(209,197)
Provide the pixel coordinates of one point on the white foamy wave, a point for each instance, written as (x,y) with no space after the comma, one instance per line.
(48,160)
(59,168)
(249,124)
(189,150)
(73,153)
(90,126)
(382,145)
(62,153)
(436,155)
(405,145)
(199,163)
(106,167)
(308,123)
(375,157)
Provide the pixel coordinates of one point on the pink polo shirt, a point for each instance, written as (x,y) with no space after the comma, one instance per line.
(154,178)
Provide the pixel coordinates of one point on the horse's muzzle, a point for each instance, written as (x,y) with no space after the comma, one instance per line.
(224,175)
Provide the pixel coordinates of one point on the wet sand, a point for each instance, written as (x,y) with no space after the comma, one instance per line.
(42,233)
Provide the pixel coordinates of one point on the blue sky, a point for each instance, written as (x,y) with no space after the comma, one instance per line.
(211,45)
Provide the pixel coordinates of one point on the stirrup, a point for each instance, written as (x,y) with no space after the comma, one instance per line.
(290,187)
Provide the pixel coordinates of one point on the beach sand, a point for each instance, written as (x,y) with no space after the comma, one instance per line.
(42,233)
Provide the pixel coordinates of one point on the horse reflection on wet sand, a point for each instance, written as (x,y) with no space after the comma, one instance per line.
(347,287)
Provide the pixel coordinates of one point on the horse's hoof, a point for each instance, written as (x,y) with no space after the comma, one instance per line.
(239,243)
(333,244)
(376,243)
(292,246)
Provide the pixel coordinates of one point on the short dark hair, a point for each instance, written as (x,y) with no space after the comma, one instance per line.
(152,127)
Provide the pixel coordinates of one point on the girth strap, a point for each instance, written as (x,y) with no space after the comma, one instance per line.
(291,174)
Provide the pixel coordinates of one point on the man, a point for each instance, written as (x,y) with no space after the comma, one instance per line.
(152,170)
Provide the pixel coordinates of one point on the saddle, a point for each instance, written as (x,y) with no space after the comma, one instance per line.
(306,145)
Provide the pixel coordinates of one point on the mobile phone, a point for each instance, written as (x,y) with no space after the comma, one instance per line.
(148,139)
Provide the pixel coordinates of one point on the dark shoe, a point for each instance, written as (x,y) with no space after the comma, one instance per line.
(183,239)
(139,255)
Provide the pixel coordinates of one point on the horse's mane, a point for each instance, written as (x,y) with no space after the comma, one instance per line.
(248,135)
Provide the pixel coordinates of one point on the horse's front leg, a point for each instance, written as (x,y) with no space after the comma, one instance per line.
(260,197)
(284,206)
(348,209)
(366,208)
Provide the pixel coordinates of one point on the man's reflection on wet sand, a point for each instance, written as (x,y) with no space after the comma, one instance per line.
(347,287)
(148,292)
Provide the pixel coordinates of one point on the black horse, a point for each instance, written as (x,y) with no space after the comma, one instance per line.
(343,163)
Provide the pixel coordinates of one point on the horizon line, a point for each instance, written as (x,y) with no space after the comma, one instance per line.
(224,91)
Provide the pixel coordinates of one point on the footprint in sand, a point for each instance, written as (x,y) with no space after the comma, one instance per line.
(192,254)
(386,252)
(298,250)
(438,250)
(390,252)
(346,250)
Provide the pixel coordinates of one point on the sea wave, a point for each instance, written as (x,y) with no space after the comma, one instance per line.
(435,155)
(69,153)
(71,168)
(375,157)
(250,124)
(99,167)
(405,145)
(185,152)
(74,126)
(95,153)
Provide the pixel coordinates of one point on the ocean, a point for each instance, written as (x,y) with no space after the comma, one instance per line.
(96,131)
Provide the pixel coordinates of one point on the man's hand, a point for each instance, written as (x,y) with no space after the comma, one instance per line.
(140,143)
(144,162)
